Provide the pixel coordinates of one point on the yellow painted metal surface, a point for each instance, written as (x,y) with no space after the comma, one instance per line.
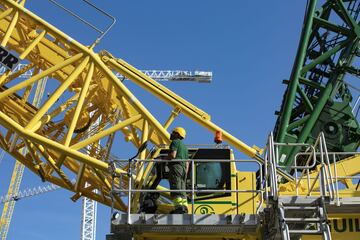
(248,202)
(345,168)
(342,227)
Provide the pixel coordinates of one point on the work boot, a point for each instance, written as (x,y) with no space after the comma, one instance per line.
(185,209)
(179,210)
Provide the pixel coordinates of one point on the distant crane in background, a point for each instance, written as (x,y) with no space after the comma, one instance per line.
(89,207)
(158,75)
(29,192)
(18,170)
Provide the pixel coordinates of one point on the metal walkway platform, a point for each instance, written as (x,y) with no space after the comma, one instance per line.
(183,224)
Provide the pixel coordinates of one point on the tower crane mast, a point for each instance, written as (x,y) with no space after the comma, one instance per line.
(17,173)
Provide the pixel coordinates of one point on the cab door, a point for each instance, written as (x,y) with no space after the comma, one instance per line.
(211,177)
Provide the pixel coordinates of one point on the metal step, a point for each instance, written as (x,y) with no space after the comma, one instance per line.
(303,208)
(302,231)
(299,220)
(299,216)
(310,201)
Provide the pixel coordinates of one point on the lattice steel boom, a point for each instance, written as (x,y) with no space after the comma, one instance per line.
(319,97)
(88,224)
(84,83)
(29,192)
(158,75)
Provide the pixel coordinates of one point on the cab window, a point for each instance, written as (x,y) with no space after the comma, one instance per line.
(212,175)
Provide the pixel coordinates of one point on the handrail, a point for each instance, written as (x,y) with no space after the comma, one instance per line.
(324,174)
(132,167)
(272,169)
(328,182)
(101,32)
(306,167)
(331,185)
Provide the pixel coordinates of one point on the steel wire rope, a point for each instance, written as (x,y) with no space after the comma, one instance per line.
(2,154)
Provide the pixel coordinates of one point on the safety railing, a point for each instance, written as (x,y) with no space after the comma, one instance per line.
(313,157)
(130,177)
(335,159)
(332,176)
(101,32)
(271,167)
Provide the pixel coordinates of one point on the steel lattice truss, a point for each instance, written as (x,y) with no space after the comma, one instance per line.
(29,192)
(61,136)
(18,171)
(318,97)
(158,75)
(88,221)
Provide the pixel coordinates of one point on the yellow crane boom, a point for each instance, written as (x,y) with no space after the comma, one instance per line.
(55,132)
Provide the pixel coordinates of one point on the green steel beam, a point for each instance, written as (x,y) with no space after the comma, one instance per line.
(310,83)
(298,123)
(305,98)
(331,27)
(323,57)
(343,13)
(299,61)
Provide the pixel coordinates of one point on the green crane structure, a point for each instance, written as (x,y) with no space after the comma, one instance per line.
(318,97)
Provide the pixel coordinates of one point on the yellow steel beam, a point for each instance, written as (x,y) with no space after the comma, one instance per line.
(79,105)
(344,169)
(39,76)
(32,45)
(17,73)
(106,132)
(56,95)
(10,29)
(6,121)
(6,13)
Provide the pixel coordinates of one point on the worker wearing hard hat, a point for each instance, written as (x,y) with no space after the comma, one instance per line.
(178,170)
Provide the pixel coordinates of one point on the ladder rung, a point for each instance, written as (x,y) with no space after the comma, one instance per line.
(300,208)
(302,219)
(305,231)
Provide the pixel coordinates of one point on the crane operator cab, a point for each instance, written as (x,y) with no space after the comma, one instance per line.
(214,176)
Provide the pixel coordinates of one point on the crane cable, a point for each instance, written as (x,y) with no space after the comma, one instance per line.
(2,154)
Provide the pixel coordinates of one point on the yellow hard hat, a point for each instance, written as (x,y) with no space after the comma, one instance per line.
(181,131)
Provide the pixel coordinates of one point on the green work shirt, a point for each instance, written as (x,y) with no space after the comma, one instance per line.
(181,150)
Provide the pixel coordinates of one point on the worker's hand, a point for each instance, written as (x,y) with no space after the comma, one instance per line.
(171,155)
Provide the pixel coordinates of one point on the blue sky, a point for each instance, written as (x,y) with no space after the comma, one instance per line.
(248,45)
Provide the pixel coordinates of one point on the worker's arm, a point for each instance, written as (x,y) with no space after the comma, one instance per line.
(172,150)
(171,155)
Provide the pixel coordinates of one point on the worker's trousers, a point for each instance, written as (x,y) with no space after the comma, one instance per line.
(177,179)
